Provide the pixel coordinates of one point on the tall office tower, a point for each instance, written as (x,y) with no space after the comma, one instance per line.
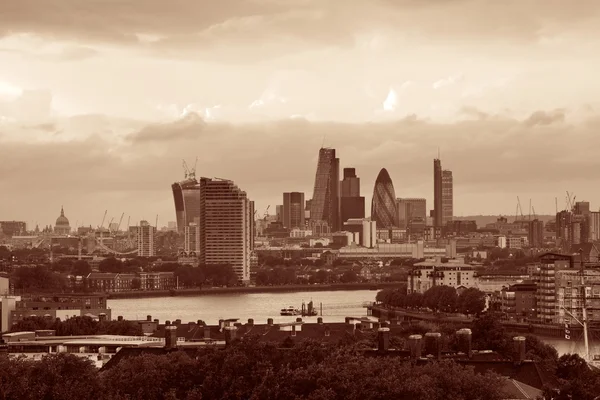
(564,222)
(383,206)
(447,197)
(411,209)
(293,210)
(187,202)
(437,193)
(191,243)
(145,239)
(594,226)
(581,208)
(325,204)
(226,226)
(535,234)
(352,204)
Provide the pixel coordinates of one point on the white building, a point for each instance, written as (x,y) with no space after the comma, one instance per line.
(145,239)
(454,273)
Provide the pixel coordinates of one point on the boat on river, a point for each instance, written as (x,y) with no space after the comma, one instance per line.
(289,311)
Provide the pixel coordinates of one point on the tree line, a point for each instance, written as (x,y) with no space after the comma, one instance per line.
(78,326)
(442,298)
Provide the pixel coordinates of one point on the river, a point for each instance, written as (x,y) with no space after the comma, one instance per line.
(211,307)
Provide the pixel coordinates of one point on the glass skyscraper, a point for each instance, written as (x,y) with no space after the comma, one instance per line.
(325,204)
(383,205)
(187,202)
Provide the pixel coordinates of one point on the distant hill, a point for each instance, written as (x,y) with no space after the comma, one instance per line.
(483,220)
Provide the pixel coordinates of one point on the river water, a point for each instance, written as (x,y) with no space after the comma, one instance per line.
(211,307)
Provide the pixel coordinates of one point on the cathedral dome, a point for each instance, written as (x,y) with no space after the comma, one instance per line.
(62,220)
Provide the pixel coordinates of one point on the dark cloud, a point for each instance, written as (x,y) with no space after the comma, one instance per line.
(493,160)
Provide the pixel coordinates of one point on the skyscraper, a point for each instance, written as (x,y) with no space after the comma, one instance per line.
(535,234)
(447,197)
(145,239)
(383,206)
(325,204)
(411,209)
(187,202)
(293,210)
(437,193)
(191,244)
(352,204)
(226,226)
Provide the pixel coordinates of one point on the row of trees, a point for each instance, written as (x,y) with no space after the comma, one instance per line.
(437,298)
(288,276)
(78,326)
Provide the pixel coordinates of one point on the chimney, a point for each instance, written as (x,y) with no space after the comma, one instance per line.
(383,339)
(120,318)
(177,322)
(320,320)
(207,332)
(230,334)
(347,320)
(250,322)
(149,318)
(463,337)
(298,319)
(414,345)
(433,345)
(167,322)
(156,320)
(519,349)
(199,322)
(270,321)
(170,337)
(102,317)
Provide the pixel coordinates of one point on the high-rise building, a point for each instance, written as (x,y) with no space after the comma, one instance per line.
(279,212)
(191,243)
(325,204)
(582,208)
(594,226)
(352,204)
(447,197)
(226,226)
(145,239)
(293,210)
(437,193)
(536,233)
(383,205)
(187,202)
(410,209)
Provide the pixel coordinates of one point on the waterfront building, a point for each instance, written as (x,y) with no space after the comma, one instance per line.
(410,209)
(186,195)
(447,197)
(145,239)
(293,210)
(518,302)
(383,205)
(227,227)
(352,204)
(325,203)
(62,226)
(453,273)
(61,306)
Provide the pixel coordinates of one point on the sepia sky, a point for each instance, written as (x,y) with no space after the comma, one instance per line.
(100,100)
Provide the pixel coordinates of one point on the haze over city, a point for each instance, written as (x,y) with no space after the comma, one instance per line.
(98,107)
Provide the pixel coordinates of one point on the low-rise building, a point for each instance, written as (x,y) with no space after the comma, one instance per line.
(454,273)
(63,307)
(518,301)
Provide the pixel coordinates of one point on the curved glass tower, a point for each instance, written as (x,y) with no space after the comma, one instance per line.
(383,206)
(187,202)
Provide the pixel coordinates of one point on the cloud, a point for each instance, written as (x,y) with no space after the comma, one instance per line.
(187,127)
(545,118)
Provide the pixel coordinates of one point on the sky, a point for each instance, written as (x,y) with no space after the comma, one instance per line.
(101,100)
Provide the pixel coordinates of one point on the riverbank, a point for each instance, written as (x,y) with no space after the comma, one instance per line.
(253,289)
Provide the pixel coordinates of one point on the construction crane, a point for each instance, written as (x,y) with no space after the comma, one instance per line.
(570,201)
(120,220)
(103,218)
(156,224)
(128,221)
(266,213)
(519,210)
(530,209)
(109,224)
(190,172)
(533,210)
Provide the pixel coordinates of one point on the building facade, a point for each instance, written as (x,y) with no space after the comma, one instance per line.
(62,226)
(352,204)
(293,210)
(13,228)
(186,195)
(145,239)
(191,242)
(227,227)
(410,209)
(437,193)
(325,203)
(447,197)
(383,205)
(536,233)
(430,273)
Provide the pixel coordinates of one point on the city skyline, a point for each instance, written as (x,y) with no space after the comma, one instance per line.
(512,103)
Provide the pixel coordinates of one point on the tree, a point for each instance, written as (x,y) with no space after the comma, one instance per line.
(111,264)
(81,268)
(471,301)
(349,276)
(136,283)
(440,298)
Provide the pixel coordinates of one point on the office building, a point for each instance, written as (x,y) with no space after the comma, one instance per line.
(437,193)
(325,203)
(536,233)
(411,209)
(279,213)
(187,202)
(352,204)
(364,231)
(293,210)
(383,205)
(191,243)
(594,226)
(13,228)
(447,197)
(145,239)
(226,228)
